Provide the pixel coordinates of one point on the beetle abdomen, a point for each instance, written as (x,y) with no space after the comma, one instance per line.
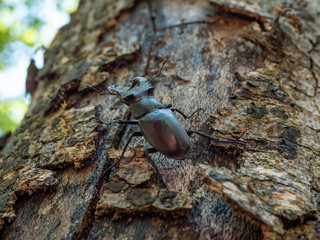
(164,132)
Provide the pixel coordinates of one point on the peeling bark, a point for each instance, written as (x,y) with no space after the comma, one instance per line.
(253,66)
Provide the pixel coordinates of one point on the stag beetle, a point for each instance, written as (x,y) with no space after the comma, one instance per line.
(158,124)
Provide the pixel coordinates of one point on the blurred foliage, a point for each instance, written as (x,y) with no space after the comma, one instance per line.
(22,21)
(69,6)
(11,114)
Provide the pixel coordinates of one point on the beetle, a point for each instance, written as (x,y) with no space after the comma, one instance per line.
(158,124)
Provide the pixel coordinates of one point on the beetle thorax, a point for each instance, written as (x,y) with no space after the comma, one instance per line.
(139,97)
(145,105)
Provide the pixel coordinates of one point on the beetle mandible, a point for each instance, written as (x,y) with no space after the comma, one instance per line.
(158,124)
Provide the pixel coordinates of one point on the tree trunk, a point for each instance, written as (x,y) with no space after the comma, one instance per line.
(253,67)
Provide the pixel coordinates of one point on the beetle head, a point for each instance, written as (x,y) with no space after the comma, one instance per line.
(140,88)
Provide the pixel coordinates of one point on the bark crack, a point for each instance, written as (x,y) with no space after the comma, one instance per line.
(187,23)
(315,78)
(84,228)
(154,29)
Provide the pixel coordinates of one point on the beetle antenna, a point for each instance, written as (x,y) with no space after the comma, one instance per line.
(101,93)
(159,71)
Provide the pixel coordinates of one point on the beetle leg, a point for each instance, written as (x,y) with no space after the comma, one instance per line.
(164,62)
(159,176)
(190,132)
(185,116)
(123,121)
(101,93)
(152,150)
(120,121)
(169,105)
(135,134)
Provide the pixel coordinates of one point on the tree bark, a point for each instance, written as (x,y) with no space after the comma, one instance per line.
(253,67)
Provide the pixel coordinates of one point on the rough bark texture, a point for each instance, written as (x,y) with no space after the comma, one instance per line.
(253,66)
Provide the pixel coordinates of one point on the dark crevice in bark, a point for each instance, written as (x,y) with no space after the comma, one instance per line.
(244,14)
(295,223)
(86,224)
(62,96)
(154,29)
(88,220)
(315,78)
(118,63)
